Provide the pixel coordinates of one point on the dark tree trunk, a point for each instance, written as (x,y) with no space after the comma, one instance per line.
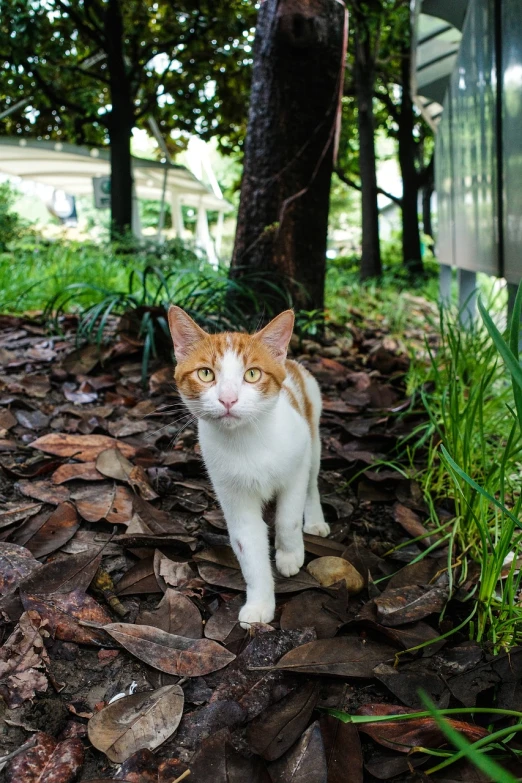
(120,124)
(411,245)
(283,211)
(364,89)
(427,193)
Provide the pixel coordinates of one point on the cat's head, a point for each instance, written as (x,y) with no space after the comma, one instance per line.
(230,378)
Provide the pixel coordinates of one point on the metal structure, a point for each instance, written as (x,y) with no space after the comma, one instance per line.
(71,169)
(467,80)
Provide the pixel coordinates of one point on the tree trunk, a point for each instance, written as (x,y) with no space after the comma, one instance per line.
(364,90)
(283,211)
(411,245)
(120,124)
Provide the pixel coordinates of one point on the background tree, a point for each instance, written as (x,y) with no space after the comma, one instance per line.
(377,98)
(283,212)
(95,69)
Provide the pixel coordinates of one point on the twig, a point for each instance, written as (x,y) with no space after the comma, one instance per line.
(29,744)
(183,776)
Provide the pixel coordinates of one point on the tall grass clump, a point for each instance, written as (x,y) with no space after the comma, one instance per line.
(472,447)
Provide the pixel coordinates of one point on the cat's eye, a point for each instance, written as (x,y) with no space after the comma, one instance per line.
(252,375)
(206,375)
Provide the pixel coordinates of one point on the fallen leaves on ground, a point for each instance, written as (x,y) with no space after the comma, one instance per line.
(144,720)
(118,582)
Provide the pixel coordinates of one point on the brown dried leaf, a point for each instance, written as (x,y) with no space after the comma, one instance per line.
(344,759)
(410,521)
(224,620)
(113,464)
(275,730)
(402,735)
(45,533)
(73,572)
(344,656)
(143,720)
(170,573)
(85,448)
(175,614)
(139,579)
(16,563)
(104,501)
(64,610)
(170,653)
(44,491)
(233,580)
(217,761)
(312,609)
(305,762)
(407,604)
(49,761)
(82,360)
(24,661)
(14,512)
(76,470)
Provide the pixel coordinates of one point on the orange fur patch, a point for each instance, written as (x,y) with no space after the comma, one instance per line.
(209,352)
(296,390)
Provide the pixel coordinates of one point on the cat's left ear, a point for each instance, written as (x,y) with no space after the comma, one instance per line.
(276,335)
(184,331)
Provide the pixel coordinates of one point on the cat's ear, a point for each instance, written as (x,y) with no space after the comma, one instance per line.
(184,331)
(276,335)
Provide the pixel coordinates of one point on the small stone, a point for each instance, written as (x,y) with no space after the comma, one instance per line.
(329,570)
(345,343)
(332,352)
(309,346)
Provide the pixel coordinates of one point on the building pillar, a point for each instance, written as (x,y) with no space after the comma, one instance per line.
(467,296)
(445,277)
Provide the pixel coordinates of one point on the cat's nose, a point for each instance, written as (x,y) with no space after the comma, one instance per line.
(228,400)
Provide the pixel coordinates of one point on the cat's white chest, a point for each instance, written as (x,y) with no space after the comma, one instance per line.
(259,459)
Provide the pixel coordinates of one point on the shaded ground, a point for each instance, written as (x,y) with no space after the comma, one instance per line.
(102,483)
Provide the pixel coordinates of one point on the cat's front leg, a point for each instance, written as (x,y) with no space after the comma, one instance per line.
(289,523)
(249,539)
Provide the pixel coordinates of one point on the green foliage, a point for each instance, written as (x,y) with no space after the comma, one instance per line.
(474,408)
(88,65)
(11,224)
(381,301)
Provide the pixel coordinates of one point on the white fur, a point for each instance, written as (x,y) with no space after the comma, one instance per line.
(266,451)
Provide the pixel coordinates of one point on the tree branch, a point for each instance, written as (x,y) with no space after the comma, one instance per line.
(94,34)
(56,98)
(352,184)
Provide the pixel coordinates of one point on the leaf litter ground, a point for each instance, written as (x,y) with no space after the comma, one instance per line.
(121,654)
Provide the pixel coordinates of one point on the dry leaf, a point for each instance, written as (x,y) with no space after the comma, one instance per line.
(170,653)
(104,501)
(143,720)
(24,661)
(174,614)
(344,656)
(76,470)
(402,735)
(85,448)
(14,512)
(16,563)
(41,536)
(49,761)
(113,464)
(305,762)
(64,610)
(275,730)
(44,491)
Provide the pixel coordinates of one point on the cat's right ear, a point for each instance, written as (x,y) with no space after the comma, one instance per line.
(184,331)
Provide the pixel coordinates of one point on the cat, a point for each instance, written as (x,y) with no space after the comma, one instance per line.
(258,425)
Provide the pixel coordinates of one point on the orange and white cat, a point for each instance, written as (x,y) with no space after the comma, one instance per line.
(258,422)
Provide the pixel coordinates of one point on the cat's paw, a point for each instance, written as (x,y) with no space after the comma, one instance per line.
(260,612)
(289,563)
(317,529)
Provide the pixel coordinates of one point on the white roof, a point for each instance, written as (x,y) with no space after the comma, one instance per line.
(71,168)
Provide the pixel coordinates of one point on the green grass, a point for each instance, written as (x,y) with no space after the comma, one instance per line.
(471,449)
